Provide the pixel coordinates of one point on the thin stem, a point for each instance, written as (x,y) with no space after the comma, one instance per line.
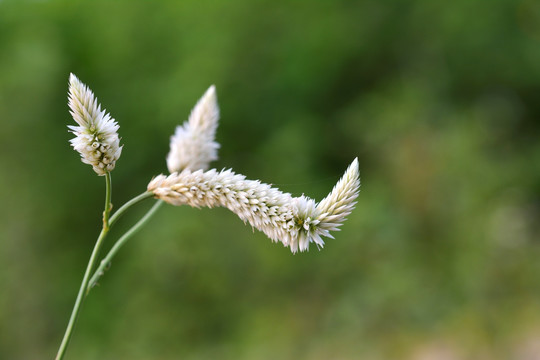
(107,259)
(108,204)
(130,203)
(89,267)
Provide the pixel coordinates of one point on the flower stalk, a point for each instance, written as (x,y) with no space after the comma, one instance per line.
(100,271)
(137,199)
(82,290)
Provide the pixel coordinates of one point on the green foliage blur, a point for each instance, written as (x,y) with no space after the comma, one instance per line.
(440,101)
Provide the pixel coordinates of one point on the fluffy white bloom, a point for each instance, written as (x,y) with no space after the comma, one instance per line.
(192,145)
(339,203)
(96,136)
(295,221)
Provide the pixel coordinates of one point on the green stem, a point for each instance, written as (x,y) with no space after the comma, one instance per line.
(130,203)
(89,267)
(107,259)
(108,204)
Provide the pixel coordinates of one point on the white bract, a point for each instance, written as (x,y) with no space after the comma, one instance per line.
(192,145)
(295,221)
(96,136)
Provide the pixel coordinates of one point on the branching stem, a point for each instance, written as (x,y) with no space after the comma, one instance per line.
(107,259)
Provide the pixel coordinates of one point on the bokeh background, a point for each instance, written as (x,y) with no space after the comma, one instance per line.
(440,102)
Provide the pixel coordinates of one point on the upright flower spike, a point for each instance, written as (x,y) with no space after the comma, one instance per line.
(96,136)
(192,145)
(295,221)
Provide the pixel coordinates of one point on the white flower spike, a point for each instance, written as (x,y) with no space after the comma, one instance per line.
(96,136)
(192,145)
(295,221)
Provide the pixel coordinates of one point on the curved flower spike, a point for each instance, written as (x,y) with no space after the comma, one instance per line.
(295,221)
(192,145)
(96,136)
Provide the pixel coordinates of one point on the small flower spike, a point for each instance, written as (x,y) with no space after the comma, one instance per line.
(96,136)
(192,145)
(295,221)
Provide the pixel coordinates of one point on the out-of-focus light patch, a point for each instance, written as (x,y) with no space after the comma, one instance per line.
(511,224)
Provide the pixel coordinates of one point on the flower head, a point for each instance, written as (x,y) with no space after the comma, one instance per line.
(96,136)
(295,221)
(334,208)
(192,145)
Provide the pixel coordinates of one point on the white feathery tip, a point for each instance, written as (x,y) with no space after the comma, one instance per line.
(96,136)
(295,221)
(192,145)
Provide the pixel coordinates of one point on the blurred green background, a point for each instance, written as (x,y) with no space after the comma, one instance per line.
(440,102)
